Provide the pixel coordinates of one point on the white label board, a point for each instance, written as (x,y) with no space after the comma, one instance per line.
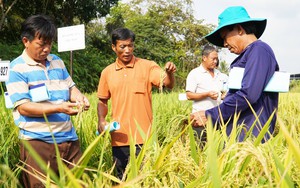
(4,70)
(71,38)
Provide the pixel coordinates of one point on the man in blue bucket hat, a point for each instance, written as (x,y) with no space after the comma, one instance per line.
(238,32)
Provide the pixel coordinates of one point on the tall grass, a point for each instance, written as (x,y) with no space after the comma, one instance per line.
(170,156)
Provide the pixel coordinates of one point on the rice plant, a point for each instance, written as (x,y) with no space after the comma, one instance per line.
(171,156)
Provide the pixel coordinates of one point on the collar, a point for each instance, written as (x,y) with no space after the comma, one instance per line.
(203,70)
(242,53)
(30,61)
(120,65)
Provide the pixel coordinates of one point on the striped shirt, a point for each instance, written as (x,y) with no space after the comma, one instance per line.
(25,74)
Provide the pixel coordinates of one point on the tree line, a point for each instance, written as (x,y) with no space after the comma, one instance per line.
(166,30)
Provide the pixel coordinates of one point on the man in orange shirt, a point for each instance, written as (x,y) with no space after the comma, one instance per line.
(128,83)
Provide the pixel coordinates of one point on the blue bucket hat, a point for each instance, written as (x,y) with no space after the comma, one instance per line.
(234,15)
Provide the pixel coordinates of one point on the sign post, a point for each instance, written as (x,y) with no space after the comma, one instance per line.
(71,38)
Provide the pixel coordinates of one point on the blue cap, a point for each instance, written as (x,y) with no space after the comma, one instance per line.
(234,15)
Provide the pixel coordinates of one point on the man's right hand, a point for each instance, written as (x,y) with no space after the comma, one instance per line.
(101,126)
(213,95)
(198,118)
(69,108)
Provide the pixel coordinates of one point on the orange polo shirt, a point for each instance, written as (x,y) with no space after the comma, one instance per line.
(130,90)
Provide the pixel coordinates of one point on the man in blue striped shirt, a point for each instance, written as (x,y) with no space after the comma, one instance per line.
(44,97)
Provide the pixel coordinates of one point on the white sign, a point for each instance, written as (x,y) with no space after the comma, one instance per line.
(4,70)
(71,38)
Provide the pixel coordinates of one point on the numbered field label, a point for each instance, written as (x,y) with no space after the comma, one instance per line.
(4,70)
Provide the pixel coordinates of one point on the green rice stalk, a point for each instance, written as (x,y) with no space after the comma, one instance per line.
(101,157)
(291,143)
(212,156)
(48,180)
(133,165)
(130,183)
(264,130)
(83,161)
(260,136)
(73,181)
(193,145)
(136,162)
(159,161)
(8,178)
(282,177)
(148,141)
(234,132)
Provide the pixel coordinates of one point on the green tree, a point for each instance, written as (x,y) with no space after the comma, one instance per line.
(5,8)
(65,13)
(166,31)
(151,42)
(223,67)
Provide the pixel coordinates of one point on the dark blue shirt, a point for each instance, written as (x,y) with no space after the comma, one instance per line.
(260,64)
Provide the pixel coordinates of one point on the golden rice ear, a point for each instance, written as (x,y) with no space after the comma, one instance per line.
(163,75)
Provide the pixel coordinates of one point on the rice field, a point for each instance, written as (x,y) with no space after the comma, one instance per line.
(171,157)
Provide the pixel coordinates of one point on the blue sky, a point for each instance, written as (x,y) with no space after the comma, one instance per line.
(282,32)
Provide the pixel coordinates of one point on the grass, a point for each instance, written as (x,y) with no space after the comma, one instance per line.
(170,156)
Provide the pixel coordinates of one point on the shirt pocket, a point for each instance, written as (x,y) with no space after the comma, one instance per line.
(139,87)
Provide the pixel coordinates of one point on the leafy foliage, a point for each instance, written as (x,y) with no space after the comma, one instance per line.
(165,31)
(65,13)
(223,67)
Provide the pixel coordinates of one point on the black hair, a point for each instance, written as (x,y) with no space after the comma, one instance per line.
(249,27)
(40,26)
(208,49)
(122,34)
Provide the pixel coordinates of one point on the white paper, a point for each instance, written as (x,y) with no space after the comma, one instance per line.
(8,102)
(279,82)
(39,93)
(182,97)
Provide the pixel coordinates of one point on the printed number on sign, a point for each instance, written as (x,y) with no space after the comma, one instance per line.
(3,71)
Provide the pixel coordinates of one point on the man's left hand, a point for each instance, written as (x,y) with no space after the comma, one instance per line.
(82,102)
